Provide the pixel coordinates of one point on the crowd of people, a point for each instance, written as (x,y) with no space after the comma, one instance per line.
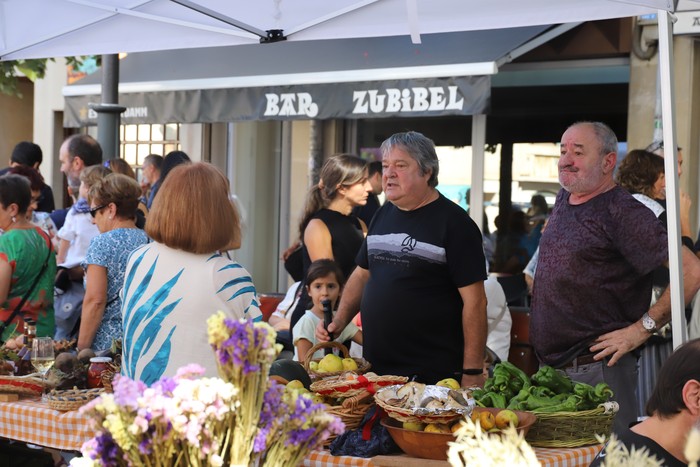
(145,263)
(65,269)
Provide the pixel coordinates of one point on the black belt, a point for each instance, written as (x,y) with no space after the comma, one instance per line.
(585,359)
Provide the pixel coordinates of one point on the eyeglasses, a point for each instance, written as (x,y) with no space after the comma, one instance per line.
(93,212)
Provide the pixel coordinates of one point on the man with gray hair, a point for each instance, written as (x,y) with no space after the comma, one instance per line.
(590,306)
(420,274)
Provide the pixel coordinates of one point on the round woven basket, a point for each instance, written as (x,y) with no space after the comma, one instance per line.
(408,415)
(22,384)
(572,429)
(71,399)
(362,365)
(363,384)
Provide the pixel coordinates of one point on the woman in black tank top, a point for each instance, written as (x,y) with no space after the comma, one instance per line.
(327,228)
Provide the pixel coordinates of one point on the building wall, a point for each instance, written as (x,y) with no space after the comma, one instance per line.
(15,119)
(48,123)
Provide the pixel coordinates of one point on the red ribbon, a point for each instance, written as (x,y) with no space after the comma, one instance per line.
(367,384)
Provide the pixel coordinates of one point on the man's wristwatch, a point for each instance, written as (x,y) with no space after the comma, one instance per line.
(648,323)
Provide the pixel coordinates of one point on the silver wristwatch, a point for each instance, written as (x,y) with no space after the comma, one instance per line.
(648,323)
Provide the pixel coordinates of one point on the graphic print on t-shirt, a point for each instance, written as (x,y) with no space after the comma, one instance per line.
(403,249)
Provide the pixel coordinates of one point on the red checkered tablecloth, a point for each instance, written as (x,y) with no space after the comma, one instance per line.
(32,421)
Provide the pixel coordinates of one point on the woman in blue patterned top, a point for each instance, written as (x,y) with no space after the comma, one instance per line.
(113,202)
(175,283)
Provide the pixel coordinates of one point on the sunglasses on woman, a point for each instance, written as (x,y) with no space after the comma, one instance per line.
(93,212)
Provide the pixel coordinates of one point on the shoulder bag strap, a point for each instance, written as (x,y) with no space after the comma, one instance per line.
(18,308)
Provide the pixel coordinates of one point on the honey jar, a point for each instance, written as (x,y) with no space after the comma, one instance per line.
(94,373)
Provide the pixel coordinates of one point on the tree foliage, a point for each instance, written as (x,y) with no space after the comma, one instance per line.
(33,69)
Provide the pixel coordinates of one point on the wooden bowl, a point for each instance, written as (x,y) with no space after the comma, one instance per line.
(426,445)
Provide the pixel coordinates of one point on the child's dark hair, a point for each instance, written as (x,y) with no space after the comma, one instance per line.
(322,268)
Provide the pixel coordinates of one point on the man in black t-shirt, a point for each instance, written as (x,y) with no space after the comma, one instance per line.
(420,274)
(673,409)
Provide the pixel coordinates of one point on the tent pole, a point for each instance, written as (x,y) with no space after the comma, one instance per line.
(675,266)
(476,193)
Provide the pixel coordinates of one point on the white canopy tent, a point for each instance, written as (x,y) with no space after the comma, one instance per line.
(52,28)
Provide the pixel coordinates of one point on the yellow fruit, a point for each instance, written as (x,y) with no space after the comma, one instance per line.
(456,426)
(506,417)
(330,364)
(313,366)
(413,426)
(449,383)
(318,398)
(295,384)
(437,428)
(487,420)
(349,364)
(475,416)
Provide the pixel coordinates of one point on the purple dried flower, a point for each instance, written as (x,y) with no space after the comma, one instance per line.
(127,391)
(107,449)
(300,436)
(165,385)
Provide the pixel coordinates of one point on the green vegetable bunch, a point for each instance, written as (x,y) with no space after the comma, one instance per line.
(547,391)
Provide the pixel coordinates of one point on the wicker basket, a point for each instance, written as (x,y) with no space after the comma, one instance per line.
(362,365)
(363,384)
(572,429)
(408,415)
(108,375)
(351,411)
(71,399)
(22,384)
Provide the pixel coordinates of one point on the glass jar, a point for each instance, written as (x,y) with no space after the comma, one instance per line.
(94,373)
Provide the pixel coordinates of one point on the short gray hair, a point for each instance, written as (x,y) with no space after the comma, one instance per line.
(604,134)
(420,148)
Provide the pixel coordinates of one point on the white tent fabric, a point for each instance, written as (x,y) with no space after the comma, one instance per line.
(54,28)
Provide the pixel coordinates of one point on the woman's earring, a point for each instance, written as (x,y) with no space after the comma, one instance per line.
(14,219)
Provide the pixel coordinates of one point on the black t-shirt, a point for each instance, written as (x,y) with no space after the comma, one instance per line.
(631,439)
(411,306)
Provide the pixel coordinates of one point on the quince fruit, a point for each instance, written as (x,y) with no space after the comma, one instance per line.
(349,364)
(413,426)
(313,366)
(487,420)
(437,428)
(449,383)
(318,398)
(330,364)
(505,417)
(295,384)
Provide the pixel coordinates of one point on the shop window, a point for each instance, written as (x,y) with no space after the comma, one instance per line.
(138,141)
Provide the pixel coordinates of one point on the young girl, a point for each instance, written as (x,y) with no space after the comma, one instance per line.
(324,281)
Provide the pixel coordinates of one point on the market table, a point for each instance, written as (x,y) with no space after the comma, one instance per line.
(548,457)
(31,421)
